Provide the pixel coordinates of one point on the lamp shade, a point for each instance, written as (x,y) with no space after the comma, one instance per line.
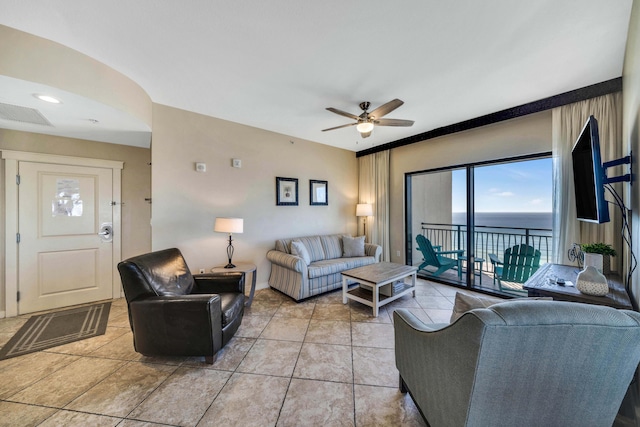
(228,225)
(364,209)
(365,127)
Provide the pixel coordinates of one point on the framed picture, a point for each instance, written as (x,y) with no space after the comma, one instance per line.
(286,191)
(318,193)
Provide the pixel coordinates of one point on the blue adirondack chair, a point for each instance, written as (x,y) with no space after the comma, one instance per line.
(435,258)
(520,262)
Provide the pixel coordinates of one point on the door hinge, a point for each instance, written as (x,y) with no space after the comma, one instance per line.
(17,237)
(18,179)
(18,296)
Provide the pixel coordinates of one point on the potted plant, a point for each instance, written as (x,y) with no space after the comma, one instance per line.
(599,255)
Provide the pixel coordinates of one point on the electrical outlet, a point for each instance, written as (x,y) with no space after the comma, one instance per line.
(397,253)
(202,271)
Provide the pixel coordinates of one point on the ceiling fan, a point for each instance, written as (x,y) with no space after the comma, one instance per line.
(367,120)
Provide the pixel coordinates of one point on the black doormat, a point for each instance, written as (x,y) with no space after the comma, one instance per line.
(61,327)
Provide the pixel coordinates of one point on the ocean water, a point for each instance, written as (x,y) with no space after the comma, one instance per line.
(534,220)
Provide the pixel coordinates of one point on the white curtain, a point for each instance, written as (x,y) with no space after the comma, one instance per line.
(373,188)
(567,122)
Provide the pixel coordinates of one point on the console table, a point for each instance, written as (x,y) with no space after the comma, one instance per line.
(544,284)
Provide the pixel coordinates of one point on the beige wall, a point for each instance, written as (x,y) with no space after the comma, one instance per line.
(525,135)
(631,125)
(186,202)
(136,183)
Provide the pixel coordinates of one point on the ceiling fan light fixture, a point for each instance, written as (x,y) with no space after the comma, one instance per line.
(47,98)
(365,122)
(365,127)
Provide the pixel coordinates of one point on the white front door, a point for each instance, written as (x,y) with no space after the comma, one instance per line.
(62,258)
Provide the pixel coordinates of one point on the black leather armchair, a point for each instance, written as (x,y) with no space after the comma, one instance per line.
(175,313)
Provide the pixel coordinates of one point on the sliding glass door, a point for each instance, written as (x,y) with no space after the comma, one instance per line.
(512,212)
(470,215)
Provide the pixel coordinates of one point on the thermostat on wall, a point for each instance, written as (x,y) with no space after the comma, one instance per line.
(236,163)
(201,167)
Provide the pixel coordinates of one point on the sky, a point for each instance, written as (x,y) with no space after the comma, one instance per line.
(509,187)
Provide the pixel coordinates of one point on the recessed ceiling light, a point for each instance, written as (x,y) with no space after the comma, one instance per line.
(47,98)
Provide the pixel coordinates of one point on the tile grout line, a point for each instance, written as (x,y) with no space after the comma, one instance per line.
(184,364)
(286,392)
(235,370)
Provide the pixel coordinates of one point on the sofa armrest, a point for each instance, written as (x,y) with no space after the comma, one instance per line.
(213,283)
(373,250)
(163,324)
(291,262)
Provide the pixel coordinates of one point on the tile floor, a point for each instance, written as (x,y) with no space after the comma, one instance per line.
(315,363)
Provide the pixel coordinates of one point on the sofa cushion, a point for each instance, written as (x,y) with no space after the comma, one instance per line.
(332,245)
(464,303)
(324,268)
(352,246)
(283,245)
(311,243)
(332,266)
(314,247)
(298,249)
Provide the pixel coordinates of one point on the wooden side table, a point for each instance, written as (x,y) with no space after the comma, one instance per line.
(244,268)
(543,283)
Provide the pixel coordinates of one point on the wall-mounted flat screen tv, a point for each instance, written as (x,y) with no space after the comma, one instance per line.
(589,176)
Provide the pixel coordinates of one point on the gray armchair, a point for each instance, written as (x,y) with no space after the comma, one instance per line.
(524,363)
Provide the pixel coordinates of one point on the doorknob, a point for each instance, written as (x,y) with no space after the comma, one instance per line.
(106,232)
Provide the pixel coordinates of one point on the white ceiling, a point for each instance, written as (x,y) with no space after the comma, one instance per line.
(278,64)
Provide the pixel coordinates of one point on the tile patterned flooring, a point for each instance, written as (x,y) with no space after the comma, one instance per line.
(314,363)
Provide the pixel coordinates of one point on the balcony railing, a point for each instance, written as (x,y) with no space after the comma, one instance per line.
(488,240)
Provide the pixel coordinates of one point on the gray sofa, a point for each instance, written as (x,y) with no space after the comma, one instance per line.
(291,275)
(520,363)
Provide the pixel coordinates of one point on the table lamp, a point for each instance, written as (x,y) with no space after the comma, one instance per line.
(228,225)
(365,210)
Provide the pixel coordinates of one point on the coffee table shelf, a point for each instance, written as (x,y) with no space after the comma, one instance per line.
(367,294)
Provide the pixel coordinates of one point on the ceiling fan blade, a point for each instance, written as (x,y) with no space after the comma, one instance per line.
(338,127)
(393,122)
(365,134)
(343,113)
(385,109)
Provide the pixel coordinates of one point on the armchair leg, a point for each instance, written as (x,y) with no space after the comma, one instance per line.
(210,359)
(401,385)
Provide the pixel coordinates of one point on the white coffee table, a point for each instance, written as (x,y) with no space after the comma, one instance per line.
(376,276)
